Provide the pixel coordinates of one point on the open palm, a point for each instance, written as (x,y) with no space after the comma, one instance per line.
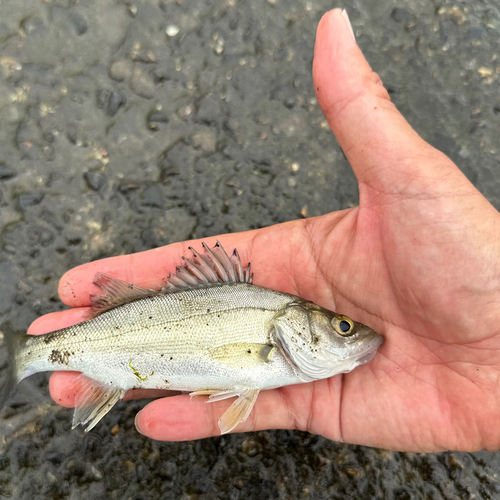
(418,261)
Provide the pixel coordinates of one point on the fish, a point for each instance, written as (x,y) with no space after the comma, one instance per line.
(209,331)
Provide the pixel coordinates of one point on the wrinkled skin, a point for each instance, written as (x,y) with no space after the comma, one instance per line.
(418,261)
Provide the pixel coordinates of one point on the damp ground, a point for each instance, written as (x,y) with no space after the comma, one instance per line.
(128,125)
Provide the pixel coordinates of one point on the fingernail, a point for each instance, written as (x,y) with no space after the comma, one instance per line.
(137,424)
(346,17)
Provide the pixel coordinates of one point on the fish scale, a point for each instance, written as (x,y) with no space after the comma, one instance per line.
(209,331)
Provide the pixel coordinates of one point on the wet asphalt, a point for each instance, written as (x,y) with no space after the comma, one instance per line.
(128,125)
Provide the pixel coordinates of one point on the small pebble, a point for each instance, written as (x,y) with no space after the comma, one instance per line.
(155,118)
(185,111)
(110,101)
(172,30)
(6,172)
(206,140)
(51,478)
(95,180)
(29,199)
(251,447)
(78,23)
(120,70)
(142,84)
(96,473)
(145,56)
(153,197)
(485,71)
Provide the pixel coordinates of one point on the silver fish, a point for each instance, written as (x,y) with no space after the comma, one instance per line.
(208,331)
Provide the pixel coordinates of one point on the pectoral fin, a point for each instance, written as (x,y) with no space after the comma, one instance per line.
(93,402)
(242,354)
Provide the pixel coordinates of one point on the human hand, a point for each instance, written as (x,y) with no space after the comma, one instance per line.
(417,261)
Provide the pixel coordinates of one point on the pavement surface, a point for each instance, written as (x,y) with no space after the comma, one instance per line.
(131,124)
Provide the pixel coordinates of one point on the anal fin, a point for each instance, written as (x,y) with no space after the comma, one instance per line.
(238,412)
(93,402)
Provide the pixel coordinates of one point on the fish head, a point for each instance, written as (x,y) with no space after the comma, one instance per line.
(320,343)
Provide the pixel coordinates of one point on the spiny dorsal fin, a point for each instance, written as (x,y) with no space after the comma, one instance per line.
(116,291)
(213,266)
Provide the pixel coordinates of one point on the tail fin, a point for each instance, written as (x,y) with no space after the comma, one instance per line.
(14,342)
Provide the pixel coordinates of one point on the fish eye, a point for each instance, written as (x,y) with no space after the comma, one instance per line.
(343,325)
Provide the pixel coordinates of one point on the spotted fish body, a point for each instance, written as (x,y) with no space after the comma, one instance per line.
(209,331)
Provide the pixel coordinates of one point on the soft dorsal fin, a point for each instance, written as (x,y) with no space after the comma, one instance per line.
(212,266)
(116,292)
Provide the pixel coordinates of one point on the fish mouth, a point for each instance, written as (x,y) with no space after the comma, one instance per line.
(369,353)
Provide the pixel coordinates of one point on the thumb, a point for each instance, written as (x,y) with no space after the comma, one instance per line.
(382,148)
